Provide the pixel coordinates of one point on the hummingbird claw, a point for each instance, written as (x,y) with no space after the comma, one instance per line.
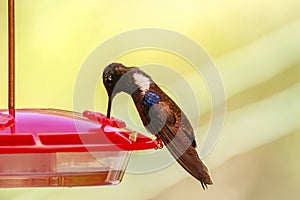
(159,143)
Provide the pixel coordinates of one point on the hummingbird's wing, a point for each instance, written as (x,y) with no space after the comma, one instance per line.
(176,136)
(161,114)
(186,155)
(188,129)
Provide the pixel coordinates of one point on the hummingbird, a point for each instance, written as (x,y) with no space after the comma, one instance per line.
(160,115)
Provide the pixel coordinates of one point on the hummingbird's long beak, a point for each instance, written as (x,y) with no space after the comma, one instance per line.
(109,106)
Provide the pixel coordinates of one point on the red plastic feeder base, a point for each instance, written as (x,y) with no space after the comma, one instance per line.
(52,148)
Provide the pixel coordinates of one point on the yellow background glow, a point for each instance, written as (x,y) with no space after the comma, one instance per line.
(255,45)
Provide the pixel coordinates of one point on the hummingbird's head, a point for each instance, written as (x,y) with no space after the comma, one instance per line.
(118,78)
(111,76)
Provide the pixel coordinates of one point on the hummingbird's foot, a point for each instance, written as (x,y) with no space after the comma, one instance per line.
(158,143)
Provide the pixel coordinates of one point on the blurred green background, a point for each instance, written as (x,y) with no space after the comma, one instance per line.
(256,48)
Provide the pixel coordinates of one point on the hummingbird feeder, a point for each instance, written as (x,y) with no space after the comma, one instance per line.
(55,148)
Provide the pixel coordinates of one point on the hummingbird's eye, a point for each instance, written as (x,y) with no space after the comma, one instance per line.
(109,79)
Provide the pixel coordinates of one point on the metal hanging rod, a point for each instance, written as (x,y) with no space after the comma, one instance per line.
(11,54)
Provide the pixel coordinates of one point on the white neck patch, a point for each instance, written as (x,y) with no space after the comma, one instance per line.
(142,81)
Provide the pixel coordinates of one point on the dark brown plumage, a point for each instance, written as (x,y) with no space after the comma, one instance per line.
(160,115)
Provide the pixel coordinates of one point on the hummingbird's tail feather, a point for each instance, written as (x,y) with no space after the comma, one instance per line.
(186,155)
(192,163)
